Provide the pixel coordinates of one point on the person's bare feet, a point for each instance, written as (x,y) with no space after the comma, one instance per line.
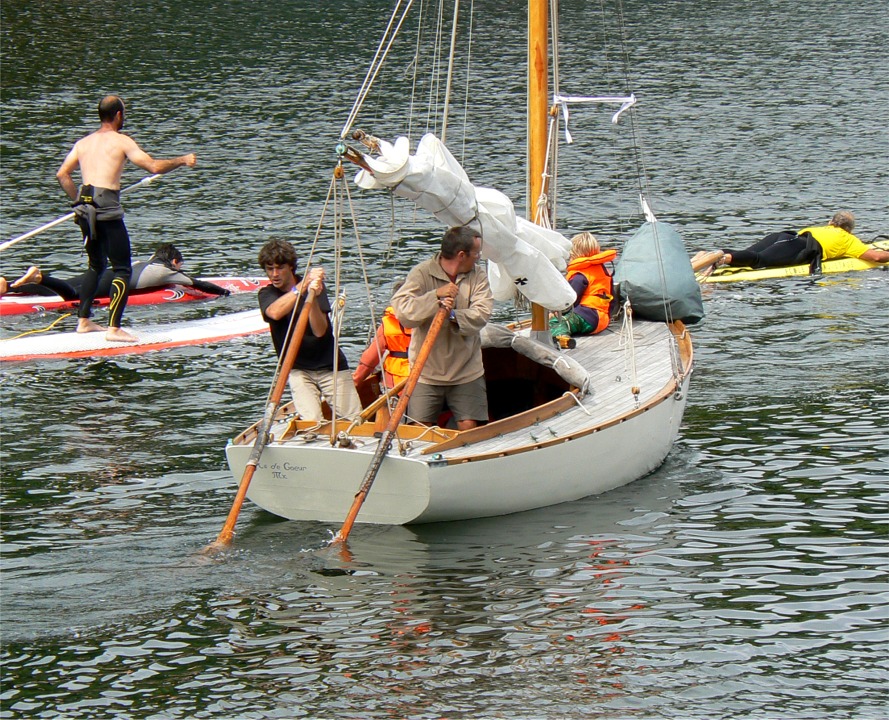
(4,286)
(85,325)
(32,276)
(703,260)
(118,335)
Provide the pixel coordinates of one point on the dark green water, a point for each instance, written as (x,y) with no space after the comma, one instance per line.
(746,578)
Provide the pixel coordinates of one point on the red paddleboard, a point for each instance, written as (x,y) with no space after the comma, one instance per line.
(12,304)
(55,346)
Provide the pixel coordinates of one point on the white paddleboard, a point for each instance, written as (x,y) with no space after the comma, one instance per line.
(53,346)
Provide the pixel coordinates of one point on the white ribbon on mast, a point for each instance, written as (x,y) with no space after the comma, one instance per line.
(626,102)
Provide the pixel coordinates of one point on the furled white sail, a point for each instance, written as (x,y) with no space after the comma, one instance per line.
(522,256)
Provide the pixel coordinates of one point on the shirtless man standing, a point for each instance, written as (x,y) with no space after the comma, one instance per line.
(101,157)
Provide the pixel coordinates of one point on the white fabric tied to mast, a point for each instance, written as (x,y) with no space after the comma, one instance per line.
(626,102)
(523,257)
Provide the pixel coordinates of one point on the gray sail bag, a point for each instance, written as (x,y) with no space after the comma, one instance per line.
(666,293)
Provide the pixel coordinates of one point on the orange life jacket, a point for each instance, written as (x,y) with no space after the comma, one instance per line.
(600,291)
(398,340)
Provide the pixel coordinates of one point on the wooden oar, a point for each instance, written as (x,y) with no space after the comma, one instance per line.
(225,536)
(389,432)
(57,221)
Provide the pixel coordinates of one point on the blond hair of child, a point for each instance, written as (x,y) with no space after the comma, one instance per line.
(584,245)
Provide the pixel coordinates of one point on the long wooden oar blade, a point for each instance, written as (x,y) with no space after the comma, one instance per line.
(704,259)
(223,540)
(389,432)
(59,220)
(227,533)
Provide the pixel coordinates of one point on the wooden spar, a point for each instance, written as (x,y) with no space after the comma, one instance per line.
(538,103)
(224,539)
(392,426)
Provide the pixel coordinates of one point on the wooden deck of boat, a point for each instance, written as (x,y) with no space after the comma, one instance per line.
(610,399)
(611,390)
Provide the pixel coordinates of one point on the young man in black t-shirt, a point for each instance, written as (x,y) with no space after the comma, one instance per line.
(312,377)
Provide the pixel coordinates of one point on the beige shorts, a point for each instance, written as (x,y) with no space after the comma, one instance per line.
(309,387)
(468,401)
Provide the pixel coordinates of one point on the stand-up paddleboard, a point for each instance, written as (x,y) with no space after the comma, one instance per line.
(54,346)
(14,304)
(729,273)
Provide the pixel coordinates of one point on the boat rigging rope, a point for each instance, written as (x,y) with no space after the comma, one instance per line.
(293,315)
(450,76)
(379,59)
(641,172)
(544,214)
(340,295)
(375,321)
(471,34)
(629,343)
(363,265)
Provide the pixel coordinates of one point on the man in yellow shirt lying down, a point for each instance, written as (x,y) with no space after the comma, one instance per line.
(810,245)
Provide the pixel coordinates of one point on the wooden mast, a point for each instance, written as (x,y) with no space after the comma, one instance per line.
(538,99)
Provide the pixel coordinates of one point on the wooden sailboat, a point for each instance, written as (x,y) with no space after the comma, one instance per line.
(565,423)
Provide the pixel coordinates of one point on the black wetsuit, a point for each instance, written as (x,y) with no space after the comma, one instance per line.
(100,217)
(780,249)
(150,274)
(156,273)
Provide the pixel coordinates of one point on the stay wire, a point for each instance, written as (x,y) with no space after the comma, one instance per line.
(293,315)
(641,170)
(367,283)
(382,52)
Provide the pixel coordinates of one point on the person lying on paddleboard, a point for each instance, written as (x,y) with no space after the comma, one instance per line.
(162,268)
(810,246)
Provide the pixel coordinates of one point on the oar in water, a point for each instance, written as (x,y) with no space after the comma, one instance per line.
(389,432)
(225,536)
(57,221)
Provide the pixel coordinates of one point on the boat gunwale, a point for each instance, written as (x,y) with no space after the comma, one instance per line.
(671,389)
(683,339)
(564,403)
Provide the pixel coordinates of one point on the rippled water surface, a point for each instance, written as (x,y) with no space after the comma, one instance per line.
(746,578)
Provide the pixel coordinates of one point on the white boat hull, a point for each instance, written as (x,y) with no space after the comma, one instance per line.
(602,443)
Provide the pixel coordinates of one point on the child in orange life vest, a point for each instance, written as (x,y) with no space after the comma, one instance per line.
(589,273)
(392,336)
